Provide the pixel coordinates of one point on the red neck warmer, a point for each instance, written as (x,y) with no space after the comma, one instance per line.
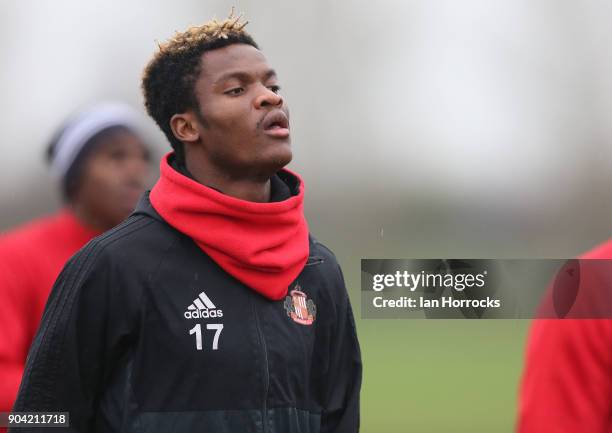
(263,245)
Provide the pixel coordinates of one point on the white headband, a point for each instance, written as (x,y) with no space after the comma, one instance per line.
(85,126)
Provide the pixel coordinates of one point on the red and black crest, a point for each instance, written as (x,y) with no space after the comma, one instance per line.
(301,309)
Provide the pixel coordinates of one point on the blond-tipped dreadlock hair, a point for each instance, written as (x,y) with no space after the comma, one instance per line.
(169,78)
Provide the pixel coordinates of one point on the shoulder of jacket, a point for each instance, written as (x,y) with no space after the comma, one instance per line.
(112,239)
(320,249)
(329,263)
(128,239)
(122,235)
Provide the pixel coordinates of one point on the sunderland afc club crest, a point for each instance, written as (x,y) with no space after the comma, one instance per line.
(299,308)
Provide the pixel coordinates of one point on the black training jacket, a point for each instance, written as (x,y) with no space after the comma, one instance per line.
(143,332)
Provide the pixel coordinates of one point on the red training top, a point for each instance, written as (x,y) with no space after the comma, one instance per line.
(567,381)
(31,258)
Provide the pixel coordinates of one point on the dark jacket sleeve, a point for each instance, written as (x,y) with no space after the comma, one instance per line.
(341,414)
(82,334)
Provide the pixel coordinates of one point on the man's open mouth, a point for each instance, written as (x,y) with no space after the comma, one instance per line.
(276,124)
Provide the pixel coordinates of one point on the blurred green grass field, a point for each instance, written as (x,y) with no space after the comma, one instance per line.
(432,375)
(440,376)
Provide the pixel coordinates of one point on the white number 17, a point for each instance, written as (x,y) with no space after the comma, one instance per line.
(197,330)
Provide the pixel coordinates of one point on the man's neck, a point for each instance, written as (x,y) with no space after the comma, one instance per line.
(90,219)
(244,188)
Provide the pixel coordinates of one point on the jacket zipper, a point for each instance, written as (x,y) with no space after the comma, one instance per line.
(266,369)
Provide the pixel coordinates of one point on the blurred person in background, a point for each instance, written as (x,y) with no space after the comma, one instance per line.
(102,163)
(567,380)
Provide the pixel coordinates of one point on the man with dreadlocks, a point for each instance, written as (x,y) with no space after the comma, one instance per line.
(211,308)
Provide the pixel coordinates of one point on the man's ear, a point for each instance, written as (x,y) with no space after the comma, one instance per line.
(184,127)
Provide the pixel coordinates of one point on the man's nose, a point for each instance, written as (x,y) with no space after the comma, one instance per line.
(137,168)
(268,98)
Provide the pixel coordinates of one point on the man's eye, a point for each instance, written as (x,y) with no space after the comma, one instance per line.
(274,88)
(235,91)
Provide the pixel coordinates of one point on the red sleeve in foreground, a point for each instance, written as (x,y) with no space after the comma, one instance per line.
(566,383)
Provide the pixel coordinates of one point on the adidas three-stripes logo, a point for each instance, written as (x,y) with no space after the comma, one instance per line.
(202,308)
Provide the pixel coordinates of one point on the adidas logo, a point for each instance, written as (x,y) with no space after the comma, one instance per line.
(202,308)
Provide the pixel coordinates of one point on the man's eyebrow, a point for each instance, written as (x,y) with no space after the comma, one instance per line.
(244,76)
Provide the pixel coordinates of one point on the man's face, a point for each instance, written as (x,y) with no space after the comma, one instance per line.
(113,178)
(243,123)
